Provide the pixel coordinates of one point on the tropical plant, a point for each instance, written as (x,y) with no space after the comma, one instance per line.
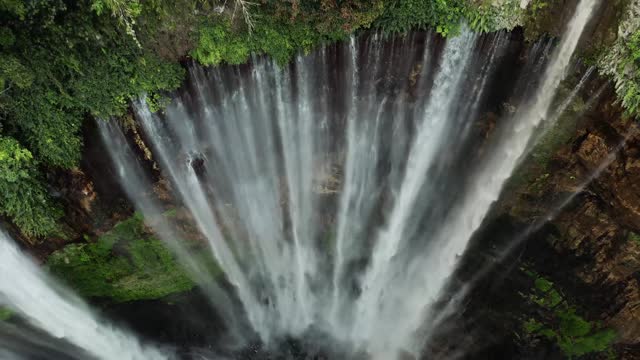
(22,194)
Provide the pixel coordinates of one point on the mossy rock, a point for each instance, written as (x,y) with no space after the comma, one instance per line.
(125,264)
(5,314)
(558,321)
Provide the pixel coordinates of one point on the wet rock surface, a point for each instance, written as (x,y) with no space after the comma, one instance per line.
(591,237)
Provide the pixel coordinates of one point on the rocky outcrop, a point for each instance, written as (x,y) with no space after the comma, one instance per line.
(590,187)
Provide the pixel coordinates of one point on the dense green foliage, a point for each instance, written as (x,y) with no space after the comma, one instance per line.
(622,61)
(79,64)
(280,29)
(125,264)
(446,16)
(559,322)
(59,62)
(443,15)
(22,194)
(630,92)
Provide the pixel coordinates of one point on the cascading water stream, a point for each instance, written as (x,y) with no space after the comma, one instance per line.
(426,276)
(337,202)
(129,171)
(26,289)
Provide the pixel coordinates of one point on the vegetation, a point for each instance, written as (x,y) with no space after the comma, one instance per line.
(22,194)
(558,321)
(5,314)
(622,61)
(125,264)
(629,68)
(444,16)
(59,62)
(77,63)
(281,29)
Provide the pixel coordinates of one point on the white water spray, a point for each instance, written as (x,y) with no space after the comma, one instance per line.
(427,276)
(338,203)
(25,289)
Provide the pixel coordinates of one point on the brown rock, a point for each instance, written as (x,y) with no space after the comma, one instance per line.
(81,190)
(593,151)
(626,322)
(162,189)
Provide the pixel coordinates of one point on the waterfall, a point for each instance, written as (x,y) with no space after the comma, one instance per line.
(424,277)
(36,297)
(338,192)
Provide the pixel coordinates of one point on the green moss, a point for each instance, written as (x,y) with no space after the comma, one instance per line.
(532,326)
(171,213)
(634,237)
(5,313)
(558,321)
(543,284)
(539,19)
(125,264)
(596,342)
(572,325)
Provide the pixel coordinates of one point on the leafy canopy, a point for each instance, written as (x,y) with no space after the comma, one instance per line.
(60,62)
(22,195)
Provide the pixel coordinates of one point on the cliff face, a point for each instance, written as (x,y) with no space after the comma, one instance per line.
(577,199)
(583,204)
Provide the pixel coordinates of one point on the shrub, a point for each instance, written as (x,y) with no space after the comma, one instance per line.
(22,196)
(67,62)
(443,15)
(622,61)
(218,43)
(280,31)
(59,63)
